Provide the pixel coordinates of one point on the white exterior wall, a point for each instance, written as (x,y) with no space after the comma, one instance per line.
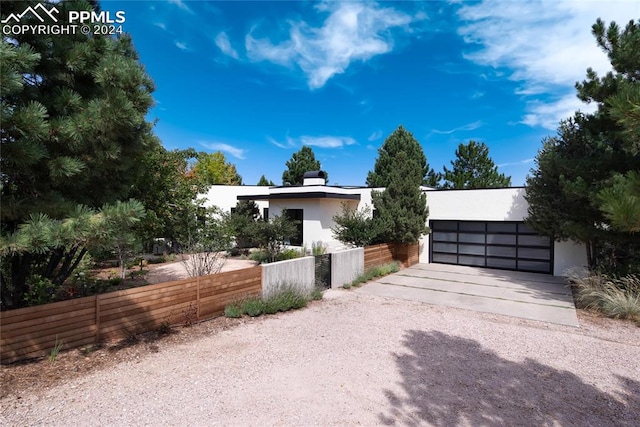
(317,218)
(226,196)
(567,256)
(498,204)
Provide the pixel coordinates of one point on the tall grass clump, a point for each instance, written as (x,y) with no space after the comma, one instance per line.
(616,297)
(374,272)
(284,298)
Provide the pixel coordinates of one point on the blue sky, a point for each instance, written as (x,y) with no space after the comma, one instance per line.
(257,80)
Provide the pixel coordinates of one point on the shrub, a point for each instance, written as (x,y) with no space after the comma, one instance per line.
(316,295)
(614,297)
(374,272)
(252,307)
(233,311)
(289,254)
(157,260)
(284,299)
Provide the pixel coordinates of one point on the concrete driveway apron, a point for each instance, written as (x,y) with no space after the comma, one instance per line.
(532,296)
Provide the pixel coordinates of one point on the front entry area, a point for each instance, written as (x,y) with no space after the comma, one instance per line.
(508,245)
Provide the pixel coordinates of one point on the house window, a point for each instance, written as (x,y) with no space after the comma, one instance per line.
(297,216)
(265,214)
(233,210)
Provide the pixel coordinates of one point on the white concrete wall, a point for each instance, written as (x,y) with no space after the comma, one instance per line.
(298,273)
(226,196)
(568,255)
(346,266)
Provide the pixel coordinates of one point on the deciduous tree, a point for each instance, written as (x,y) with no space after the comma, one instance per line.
(213,169)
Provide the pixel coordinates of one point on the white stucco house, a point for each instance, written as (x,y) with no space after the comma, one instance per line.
(482,228)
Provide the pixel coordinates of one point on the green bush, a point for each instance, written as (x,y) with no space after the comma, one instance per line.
(316,295)
(614,297)
(284,299)
(157,260)
(289,254)
(374,272)
(233,311)
(252,307)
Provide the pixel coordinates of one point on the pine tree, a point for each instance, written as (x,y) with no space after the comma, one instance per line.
(73,120)
(401,209)
(301,162)
(265,182)
(73,129)
(578,189)
(400,140)
(473,168)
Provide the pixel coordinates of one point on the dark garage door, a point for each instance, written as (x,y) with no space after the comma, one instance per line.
(500,244)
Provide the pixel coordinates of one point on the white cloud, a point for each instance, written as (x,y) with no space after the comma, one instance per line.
(180,45)
(288,144)
(375,135)
(546,45)
(549,114)
(161,25)
(327,141)
(315,141)
(225,148)
(223,43)
(181,5)
(351,32)
(467,127)
(519,162)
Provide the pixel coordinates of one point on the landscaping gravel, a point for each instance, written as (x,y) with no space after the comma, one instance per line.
(357,359)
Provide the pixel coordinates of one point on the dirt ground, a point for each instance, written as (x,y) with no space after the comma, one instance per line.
(351,359)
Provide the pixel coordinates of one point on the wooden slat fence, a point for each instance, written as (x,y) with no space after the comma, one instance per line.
(406,254)
(375,255)
(33,331)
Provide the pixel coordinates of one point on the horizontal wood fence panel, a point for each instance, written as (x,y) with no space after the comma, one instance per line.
(141,293)
(32,331)
(51,327)
(25,326)
(123,327)
(247,285)
(46,341)
(40,311)
(146,303)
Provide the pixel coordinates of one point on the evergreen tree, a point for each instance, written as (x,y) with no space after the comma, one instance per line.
(213,169)
(242,223)
(473,168)
(301,162)
(73,132)
(579,186)
(401,209)
(265,182)
(72,119)
(400,140)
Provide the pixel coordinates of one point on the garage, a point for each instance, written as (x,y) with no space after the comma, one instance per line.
(509,245)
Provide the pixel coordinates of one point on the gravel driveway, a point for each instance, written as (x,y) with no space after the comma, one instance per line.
(357,359)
